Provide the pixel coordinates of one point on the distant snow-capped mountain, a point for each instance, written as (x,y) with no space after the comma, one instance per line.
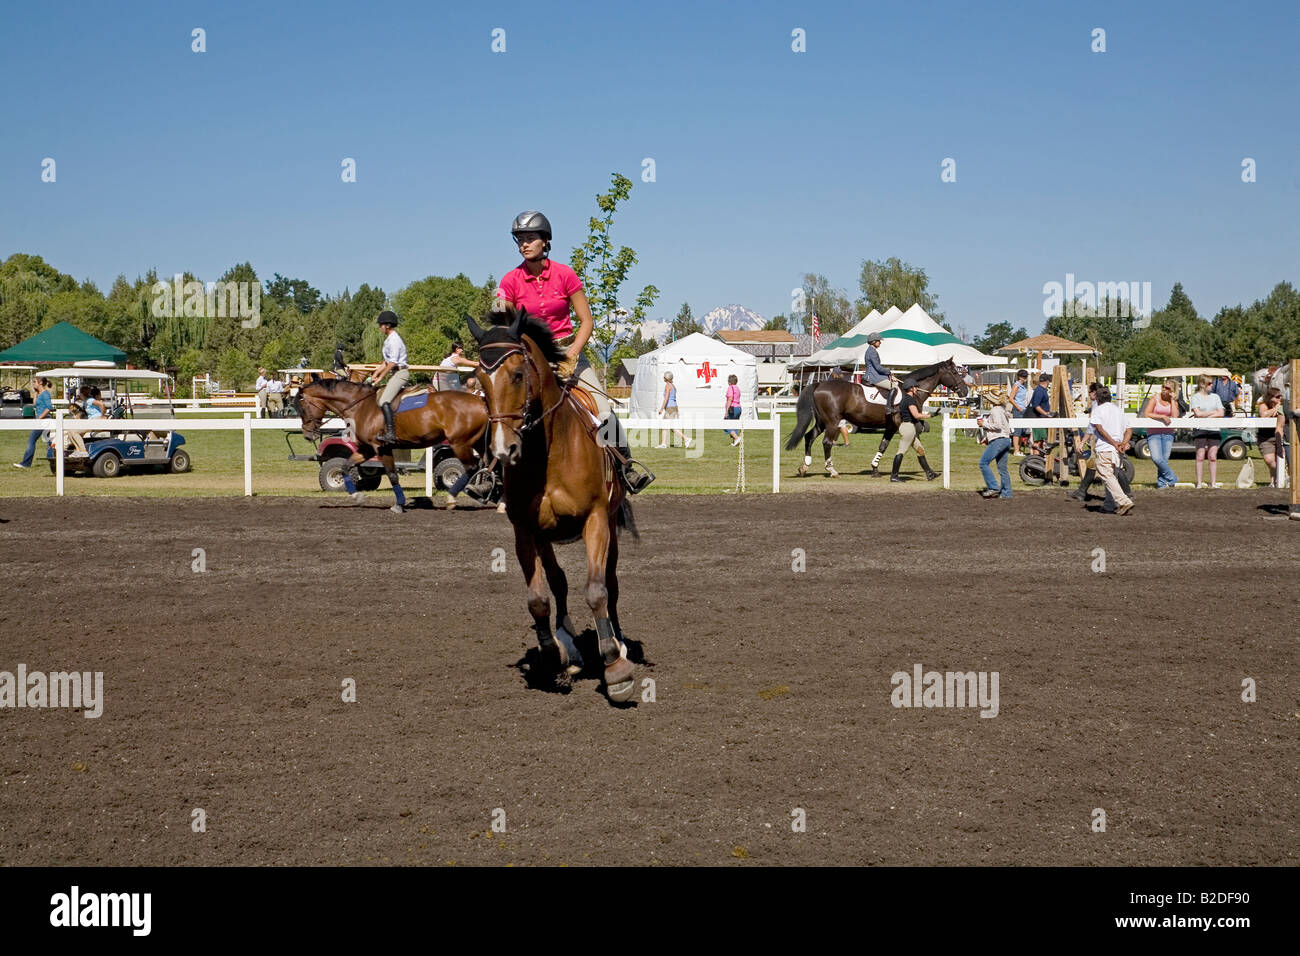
(723,317)
(732,317)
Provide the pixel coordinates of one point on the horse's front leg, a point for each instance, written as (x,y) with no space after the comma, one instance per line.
(539,604)
(564,630)
(618,669)
(390,469)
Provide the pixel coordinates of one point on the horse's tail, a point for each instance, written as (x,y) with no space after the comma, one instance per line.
(806,414)
(628,520)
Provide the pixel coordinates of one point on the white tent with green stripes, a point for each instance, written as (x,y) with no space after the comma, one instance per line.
(909,339)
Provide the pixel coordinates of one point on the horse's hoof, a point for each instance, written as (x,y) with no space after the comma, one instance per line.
(397,510)
(358,497)
(803,472)
(501,508)
(450,503)
(619,683)
(833,473)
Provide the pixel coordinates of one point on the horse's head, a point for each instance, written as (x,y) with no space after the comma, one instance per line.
(956,377)
(515,348)
(320,398)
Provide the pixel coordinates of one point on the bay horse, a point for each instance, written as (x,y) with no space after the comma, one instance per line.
(457,418)
(821,408)
(560,484)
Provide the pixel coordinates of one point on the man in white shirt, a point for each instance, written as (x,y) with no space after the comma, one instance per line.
(261,392)
(1112,440)
(274,397)
(394,360)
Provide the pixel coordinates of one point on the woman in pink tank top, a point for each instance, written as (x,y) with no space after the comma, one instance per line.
(1160,441)
(732,405)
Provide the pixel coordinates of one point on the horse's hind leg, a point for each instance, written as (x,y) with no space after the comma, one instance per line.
(539,604)
(880,453)
(390,469)
(827,442)
(564,629)
(611,580)
(618,669)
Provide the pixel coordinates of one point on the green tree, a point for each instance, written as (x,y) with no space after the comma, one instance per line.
(236,370)
(1150,349)
(684,323)
(998,334)
(776,323)
(894,282)
(292,292)
(833,308)
(433,311)
(603,270)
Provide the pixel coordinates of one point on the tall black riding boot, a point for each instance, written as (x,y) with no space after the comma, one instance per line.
(388,435)
(898,461)
(930,473)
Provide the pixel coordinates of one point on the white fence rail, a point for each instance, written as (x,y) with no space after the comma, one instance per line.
(61,425)
(951,425)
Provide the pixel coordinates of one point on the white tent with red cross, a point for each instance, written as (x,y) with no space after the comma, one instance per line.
(700,366)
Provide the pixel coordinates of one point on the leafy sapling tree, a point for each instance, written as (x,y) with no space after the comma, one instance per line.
(603,270)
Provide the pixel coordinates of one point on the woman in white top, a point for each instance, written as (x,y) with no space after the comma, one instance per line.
(668,409)
(1205,404)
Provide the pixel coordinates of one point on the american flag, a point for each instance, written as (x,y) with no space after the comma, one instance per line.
(817,329)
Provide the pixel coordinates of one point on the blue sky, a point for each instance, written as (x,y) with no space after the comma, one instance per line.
(1115,166)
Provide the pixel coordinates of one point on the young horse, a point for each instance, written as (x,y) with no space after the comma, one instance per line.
(458,418)
(821,408)
(559,485)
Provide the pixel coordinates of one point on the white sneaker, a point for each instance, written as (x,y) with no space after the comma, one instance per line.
(1217,484)
(661,446)
(735,442)
(690,442)
(19,464)
(1200,484)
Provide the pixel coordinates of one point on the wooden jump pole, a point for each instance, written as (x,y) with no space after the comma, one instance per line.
(1293,460)
(1061,405)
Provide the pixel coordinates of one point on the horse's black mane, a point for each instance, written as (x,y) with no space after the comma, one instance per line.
(331,384)
(503,316)
(924,372)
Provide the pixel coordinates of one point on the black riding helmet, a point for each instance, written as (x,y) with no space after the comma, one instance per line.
(530,220)
(387,318)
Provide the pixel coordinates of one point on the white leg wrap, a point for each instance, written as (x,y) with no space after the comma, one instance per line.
(807,459)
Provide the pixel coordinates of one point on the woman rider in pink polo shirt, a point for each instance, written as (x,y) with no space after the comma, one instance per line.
(551,290)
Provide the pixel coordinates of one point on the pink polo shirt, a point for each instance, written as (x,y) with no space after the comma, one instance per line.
(545,295)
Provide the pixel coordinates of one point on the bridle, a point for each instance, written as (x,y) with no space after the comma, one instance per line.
(524,416)
(339,414)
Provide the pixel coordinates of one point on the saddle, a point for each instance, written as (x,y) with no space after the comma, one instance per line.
(585,400)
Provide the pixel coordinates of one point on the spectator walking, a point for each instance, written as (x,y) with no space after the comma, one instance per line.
(1160,441)
(995,433)
(668,409)
(1205,404)
(732,405)
(1272,448)
(1019,402)
(1111,441)
(1088,456)
(44,408)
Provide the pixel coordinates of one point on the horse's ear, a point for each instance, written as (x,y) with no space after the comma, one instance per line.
(474,328)
(517,324)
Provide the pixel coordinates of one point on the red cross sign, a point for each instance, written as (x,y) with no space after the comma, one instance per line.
(706,373)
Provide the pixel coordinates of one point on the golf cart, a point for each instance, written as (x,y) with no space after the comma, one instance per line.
(1232,442)
(109,453)
(16,391)
(334,452)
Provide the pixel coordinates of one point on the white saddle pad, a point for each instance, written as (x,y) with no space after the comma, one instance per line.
(874,395)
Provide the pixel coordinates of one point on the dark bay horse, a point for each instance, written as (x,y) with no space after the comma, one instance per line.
(458,418)
(822,407)
(560,485)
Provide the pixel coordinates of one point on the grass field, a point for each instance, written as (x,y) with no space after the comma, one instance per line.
(711,468)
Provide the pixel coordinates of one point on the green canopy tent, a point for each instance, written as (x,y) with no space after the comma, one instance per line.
(62,344)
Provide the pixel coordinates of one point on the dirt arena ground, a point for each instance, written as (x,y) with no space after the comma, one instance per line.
(772,688)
